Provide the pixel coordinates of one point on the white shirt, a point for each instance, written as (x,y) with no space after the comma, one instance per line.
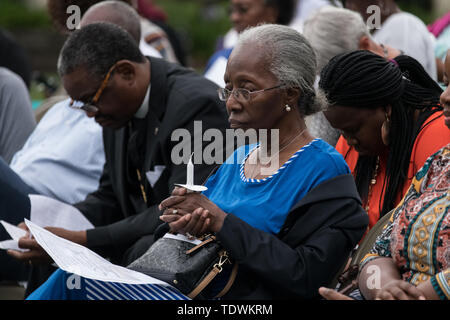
(143,109)
(408,33)
(306,8)
(64,156)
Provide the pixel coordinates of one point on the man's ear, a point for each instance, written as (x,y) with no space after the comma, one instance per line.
(126,70)
(364,43)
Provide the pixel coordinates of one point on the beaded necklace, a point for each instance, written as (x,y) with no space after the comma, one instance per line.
(373,182)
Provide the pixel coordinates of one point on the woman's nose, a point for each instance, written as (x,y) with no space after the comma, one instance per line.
(232,104)
(445,97)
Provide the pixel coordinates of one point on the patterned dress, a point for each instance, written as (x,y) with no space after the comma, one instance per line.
(417,237)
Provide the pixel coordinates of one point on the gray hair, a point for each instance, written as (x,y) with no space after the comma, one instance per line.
(292,61)
(332,31)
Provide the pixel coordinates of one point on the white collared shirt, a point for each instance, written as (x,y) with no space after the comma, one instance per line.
(64,157)
(143,110)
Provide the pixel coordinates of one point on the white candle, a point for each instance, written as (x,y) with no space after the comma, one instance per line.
(190,186)
(190,172)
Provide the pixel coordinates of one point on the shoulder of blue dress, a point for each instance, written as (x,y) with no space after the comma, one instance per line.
(328,157)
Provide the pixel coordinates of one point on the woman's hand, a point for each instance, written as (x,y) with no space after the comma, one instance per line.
(399,290)
(330,294)
(195,224)
(182,205)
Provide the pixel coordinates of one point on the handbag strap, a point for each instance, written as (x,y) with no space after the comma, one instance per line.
(206,280)
(217,268)
(229,283)
(204,242)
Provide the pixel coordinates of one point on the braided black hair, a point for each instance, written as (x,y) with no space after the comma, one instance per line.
(362,79)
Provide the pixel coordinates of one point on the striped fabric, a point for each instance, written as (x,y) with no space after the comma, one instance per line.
(295,155)
(101,290)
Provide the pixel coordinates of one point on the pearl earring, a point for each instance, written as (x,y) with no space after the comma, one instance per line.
(287,108)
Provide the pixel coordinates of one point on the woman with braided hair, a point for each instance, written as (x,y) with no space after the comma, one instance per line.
(391,122)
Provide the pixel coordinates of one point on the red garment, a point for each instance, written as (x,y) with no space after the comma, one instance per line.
(439,25)
(432,137)
(149,10)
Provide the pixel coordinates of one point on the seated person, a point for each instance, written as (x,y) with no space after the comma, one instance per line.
(14,57)
(139,102)
(289,221)
(391,122)
(160,47)
(441,30)
(332,31)
(16,115)
(64,157)
(66,143)
(412,251)
(245,14)
(401,30)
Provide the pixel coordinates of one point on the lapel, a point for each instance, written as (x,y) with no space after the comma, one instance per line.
(120,155)
(157,107)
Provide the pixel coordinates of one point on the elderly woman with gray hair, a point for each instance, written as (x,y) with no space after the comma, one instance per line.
(289,220)
(333,31)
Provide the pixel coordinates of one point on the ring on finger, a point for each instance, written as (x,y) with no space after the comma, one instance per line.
(175,211)
(190,236)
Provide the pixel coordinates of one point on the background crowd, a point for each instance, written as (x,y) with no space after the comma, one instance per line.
(364,124)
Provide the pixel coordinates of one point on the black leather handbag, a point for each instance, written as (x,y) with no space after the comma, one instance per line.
(187,265)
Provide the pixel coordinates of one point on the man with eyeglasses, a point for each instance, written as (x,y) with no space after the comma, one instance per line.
(139,102)
(63,158)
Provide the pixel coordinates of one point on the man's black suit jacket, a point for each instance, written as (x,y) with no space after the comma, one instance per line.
(178,97)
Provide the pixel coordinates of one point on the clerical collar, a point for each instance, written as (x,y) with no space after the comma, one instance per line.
(143,110)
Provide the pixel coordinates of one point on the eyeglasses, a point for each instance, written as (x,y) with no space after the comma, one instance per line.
(90,106)
(240,94)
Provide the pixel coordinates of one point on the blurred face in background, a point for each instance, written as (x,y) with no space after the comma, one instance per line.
(361,6)
(445,96)
(249,13)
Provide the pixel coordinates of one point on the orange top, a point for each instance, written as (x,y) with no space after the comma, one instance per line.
(434,136)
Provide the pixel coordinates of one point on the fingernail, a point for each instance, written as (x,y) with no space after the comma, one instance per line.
(422,298)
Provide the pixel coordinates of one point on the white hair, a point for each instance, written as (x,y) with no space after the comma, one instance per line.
(291,59)
(332,31)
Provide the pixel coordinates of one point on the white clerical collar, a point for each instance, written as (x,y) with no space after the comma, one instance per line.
(143,110)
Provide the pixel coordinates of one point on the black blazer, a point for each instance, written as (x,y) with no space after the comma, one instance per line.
(178,97)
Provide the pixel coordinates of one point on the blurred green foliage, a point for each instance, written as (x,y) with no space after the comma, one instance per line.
(419,9)
(15,14)
(199,23)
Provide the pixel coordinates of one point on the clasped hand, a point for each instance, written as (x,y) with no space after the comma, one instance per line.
(191,213)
